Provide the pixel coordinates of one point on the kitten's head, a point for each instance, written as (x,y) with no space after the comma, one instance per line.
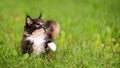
(33,24)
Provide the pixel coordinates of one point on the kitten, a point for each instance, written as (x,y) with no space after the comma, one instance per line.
(38,36)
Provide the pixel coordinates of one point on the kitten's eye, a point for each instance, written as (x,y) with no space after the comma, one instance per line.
(40,23)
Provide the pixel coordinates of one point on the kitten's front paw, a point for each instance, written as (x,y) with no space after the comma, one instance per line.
(52,46)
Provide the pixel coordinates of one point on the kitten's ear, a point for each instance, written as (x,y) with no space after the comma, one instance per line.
(40,16)
(28,20)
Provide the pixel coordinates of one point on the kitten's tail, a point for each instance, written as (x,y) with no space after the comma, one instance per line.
(53,28)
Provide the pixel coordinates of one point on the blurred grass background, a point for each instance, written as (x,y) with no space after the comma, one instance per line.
(89,36)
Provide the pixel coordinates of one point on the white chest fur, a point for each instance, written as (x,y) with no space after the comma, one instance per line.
(38,40)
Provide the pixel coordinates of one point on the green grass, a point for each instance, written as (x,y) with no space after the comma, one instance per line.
(89,36)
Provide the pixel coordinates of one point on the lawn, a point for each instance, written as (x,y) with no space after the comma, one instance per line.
(89,36)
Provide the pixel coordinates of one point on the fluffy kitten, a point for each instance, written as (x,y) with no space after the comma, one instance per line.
(38,36)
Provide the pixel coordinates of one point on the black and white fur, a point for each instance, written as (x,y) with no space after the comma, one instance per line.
(39,43)
(42,41)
